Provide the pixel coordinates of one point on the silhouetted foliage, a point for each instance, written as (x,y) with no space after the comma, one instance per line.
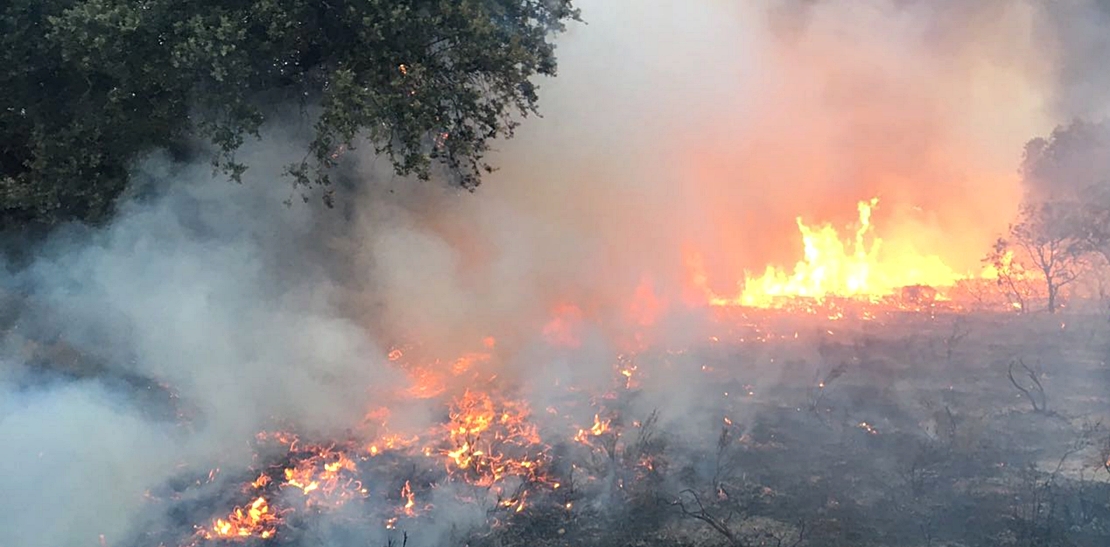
(91,84)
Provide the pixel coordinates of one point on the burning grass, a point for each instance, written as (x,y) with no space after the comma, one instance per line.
(833,266)
(827,406)
(872,430)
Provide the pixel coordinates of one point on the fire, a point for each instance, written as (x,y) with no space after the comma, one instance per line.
(599,426)
(487,445)
(261,481)
(485,442)
(563,328)
(489,441)
(431,380)
(426,383)
(834,266)
(255,520)
(391,441)
(628,372)
(326,473)
(598,429)
(410,500)
(301,478)
(466,362)
(408,509)
(646,306)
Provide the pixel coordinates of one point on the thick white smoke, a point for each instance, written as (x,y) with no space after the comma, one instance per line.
(673,125)
(213,291)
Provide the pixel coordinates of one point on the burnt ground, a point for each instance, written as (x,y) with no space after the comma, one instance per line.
(918,437)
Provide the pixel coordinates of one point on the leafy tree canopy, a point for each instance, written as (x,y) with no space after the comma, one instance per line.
(90,84)
(1071,163)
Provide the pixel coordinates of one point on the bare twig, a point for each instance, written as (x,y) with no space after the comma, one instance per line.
(1034,392)
(801,536)
(1085,439)
(951,426)
(959,332)
(1036,516)
(822,384)
(698,511)
(392,542)
(725,462)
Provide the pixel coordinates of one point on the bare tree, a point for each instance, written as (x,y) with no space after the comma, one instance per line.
(1049,237)
(1012,279)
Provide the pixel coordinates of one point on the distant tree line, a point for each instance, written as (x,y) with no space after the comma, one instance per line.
(89,85)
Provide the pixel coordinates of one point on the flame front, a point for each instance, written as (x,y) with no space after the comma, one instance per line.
(855,267)
(485,440)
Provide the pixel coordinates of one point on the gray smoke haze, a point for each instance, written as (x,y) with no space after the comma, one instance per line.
(1075,34)
(674,126)
(1071,163)
(216,294)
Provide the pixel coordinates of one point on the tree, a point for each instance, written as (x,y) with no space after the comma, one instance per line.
(1011,277)
(1093,223)
(1048,237)
(91,84)
(1071,164)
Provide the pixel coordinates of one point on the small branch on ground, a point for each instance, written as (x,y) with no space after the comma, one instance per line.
(392,541)
(959,332)
(697,510)
(818,394)
(1035,392)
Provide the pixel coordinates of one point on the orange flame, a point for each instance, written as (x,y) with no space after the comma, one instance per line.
(410,500)
(326,477)
(833,266)
(646,307)
(598,429)
(255,520)
(562,329)
(486,440)
(481,431)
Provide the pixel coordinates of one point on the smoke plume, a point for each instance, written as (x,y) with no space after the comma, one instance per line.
(673,127)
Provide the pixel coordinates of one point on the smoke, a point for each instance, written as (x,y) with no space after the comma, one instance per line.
(1074,35)
(1070,164)
(78,464)
(672,128)
(212,291)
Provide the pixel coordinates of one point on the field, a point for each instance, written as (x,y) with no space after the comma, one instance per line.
(918,437)
(904,429)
